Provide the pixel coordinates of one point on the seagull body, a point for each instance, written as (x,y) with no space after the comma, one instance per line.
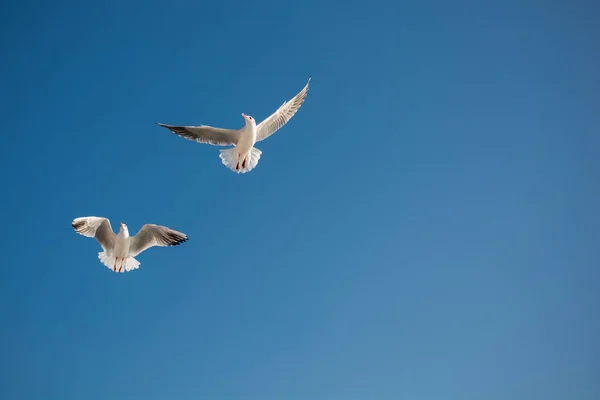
(243,157)
(120,249)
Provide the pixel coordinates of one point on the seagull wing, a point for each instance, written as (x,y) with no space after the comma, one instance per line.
(205,134)
(96,227)
(155,235)
(281,117)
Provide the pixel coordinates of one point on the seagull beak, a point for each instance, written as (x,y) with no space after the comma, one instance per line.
(120,223)
(243,115)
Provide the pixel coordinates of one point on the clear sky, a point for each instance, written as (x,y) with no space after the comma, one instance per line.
(425,227)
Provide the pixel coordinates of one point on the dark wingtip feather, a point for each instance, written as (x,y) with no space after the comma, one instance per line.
(176,239)
(77,225)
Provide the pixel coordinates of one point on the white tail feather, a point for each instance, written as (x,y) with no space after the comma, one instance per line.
(122,265)
(229,158)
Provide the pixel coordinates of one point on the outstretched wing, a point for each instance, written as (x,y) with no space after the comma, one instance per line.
(96,227)
(155,235)
(281,117)
(205,134)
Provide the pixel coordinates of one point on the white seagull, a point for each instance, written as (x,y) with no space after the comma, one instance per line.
(120,249)
(243,157)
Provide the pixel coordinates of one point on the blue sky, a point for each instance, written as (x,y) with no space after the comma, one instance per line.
(425,227)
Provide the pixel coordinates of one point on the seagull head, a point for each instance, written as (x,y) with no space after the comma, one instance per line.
(123,227)
(249,120)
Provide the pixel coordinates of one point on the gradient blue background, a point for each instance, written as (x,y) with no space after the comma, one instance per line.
(426,227)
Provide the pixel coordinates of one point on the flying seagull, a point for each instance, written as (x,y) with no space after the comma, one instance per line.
(243,157)
(120,249)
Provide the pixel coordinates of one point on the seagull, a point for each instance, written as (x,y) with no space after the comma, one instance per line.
(120,249)
(243,157)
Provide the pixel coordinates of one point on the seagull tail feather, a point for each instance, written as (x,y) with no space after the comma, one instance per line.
(118,265)
(229,158)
